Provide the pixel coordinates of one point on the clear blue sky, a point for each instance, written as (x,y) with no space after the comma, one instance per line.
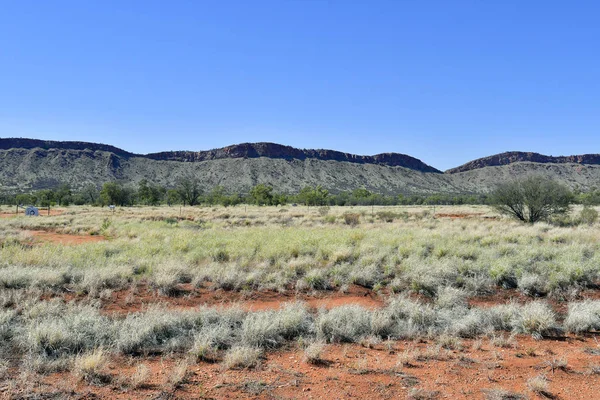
(444,81)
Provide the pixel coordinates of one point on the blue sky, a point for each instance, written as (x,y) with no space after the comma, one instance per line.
(443,81)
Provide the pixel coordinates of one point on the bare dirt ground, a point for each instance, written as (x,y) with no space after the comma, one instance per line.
(354,371)
(472,369)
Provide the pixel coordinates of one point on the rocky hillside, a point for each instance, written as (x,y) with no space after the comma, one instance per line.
(34,164)
(512,157)
(244,150)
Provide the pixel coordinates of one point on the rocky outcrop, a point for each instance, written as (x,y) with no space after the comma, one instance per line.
(518,156)
(244,150)
(20,143)
(273,150)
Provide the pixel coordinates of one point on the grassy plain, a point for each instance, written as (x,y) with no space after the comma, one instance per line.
(295,302)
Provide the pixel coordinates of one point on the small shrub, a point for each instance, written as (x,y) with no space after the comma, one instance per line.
(351,218)
(241,357)
(583,316)
(89,367)
(313,353)
(533,285)
(178,375)
(449,297)
(503,341)
(324,210)
(535,318)
(348,323)
(539,385)
(140,377)
(204,348)
(387,216)
(588,216)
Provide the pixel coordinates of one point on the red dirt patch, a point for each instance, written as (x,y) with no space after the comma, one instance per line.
(353,371)
(61,238)
(127,301)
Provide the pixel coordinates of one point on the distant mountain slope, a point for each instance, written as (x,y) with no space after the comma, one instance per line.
(27,164)
(35,164)
(244,150)
(511,157)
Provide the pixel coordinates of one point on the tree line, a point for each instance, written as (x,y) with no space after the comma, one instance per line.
(188,191)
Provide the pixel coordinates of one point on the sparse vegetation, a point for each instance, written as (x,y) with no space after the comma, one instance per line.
(423,273)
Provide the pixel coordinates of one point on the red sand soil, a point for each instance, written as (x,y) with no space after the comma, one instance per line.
(66,239)
(368,371)
(127,301)
(352,371)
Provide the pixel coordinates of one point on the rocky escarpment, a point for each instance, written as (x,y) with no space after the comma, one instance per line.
(273,150)
(21,143)
(518,156)
(244,150)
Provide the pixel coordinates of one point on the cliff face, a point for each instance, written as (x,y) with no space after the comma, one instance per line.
(518,156)
(19,143)
(273,150)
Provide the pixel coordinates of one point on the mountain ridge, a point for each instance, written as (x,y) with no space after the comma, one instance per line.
(31,164)
(242,150)
(511,157)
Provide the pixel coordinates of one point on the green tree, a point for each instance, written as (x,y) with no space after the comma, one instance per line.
(150,194)
(115,193)
(45,197)
(90,193)
(63,194)
(172,197)
(316,196)
(532,199)
(261,194)
(188,188)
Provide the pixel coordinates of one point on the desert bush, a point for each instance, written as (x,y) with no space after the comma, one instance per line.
(178,374)
(156,330)
(241,357)
(387,216)
(272,328)
(351,218)
(583,316)
(313,353)
(536,318)
(140,377)
(588,216)
(90,367)
(348,323)
(76,329)
(205,347)
(324,210)
(533,284)
(449,297)
(532,199)
(539,385)
(315,279)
